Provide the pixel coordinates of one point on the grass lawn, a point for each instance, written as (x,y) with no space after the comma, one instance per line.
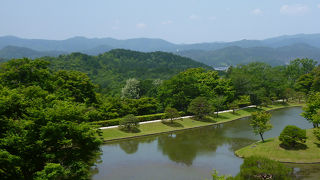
(159,127)
(271,149)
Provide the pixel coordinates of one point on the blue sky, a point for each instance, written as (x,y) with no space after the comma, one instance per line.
(179,21)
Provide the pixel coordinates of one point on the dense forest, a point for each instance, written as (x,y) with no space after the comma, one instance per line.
(47,105)
(111,69)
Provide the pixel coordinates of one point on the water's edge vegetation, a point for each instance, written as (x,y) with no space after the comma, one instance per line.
(272,149)
(115,134)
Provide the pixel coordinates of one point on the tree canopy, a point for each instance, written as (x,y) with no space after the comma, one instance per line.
(43,118)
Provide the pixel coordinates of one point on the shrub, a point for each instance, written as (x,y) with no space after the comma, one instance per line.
(291,136)
(316,133)
(114,122)
(256,167)
(105,123)
(129,123)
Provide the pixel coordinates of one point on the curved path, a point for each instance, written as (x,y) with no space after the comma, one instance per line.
(159,120)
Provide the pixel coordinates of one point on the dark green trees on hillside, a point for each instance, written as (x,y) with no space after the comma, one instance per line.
(43,125)
(110,70)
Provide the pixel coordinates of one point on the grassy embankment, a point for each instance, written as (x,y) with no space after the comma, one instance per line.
(159,127)
(271,149)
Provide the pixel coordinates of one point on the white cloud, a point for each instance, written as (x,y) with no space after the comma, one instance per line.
(193,17)
(294,9)
(257,11)
(318,5)
(141,25)
(167,22)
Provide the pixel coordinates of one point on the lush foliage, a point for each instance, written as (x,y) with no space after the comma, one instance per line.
(171,113)
(110,70)
(44,132)
(311,110)
(260,122)
(200,107)
(257,168)
(181,89)
(129,123)
(291,136)
(264,83)
(316,133)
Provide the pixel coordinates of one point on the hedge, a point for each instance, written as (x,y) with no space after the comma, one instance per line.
(144,118)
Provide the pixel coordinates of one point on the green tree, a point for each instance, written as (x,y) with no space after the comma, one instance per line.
(257,168)
(129,123)
(76,85)
(181,89)
(200,107)
(131,90)
(43,133)
(299,67)
(171,113)
(311,109)
(218,103)
(304,83)
(260,122)
(234,105)
(26,72)
(291,136)
(52,171)
(316,133)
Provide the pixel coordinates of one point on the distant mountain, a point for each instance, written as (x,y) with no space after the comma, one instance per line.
(277,50)
(10,52)
(237,55)
(310,39)
(81,44)
(110,70)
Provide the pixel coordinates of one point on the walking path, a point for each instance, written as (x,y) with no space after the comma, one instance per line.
(159,120)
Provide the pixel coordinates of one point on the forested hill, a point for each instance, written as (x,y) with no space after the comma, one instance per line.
(10,52)
(111,69)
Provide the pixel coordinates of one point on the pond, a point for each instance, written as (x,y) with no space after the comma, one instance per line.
(192,154)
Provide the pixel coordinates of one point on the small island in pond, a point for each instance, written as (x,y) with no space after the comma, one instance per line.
(271,148)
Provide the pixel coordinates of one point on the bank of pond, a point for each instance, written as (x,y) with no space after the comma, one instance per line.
(308,152)
(114,134)
(192,154)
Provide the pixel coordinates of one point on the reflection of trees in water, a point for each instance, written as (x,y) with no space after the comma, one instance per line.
(131,146)
(305,171)
(184,147)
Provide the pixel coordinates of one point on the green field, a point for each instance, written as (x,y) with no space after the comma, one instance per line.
(271,149)
(159,127)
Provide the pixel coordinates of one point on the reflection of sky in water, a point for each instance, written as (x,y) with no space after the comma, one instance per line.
(190,154)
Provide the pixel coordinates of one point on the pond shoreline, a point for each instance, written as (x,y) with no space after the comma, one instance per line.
(188,128)
(310,154)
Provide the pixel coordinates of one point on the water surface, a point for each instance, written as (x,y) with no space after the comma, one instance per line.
(192,154)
